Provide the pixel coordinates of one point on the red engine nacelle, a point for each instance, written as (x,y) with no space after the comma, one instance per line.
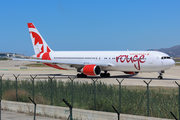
(91,70)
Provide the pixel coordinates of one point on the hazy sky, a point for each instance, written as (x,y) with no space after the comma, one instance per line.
(89,25)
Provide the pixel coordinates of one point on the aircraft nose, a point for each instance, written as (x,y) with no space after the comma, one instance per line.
(172,62)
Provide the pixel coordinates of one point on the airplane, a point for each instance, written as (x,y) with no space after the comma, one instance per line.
(92,63)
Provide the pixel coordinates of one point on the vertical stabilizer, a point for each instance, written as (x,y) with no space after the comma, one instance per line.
(39,44)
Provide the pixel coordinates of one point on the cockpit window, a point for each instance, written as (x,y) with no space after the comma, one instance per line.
(165,57)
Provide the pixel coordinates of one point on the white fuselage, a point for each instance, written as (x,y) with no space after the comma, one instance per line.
(136,61)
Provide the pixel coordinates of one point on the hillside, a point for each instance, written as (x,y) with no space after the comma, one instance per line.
(173,51)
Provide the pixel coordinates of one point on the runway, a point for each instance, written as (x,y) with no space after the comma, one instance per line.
(8,68)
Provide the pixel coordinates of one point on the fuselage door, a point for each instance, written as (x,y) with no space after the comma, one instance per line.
(150,60)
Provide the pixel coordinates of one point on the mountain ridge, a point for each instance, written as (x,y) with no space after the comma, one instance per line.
(172,51)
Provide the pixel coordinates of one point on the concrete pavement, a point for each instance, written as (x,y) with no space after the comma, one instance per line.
(9,115)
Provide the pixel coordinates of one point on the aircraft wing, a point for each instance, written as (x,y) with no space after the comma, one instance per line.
(77,65)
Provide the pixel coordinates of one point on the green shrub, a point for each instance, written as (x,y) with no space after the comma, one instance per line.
(133,99)
(22,95)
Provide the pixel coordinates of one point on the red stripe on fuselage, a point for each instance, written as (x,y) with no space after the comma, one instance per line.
(46,56)
(54,66)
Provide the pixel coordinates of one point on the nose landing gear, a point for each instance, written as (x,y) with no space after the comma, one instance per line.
(160,75)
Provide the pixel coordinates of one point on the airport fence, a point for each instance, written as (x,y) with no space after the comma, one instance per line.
(137,100)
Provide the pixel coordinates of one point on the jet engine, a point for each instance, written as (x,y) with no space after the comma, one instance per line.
(91,70)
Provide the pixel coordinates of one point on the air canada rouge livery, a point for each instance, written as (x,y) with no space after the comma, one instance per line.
(95,63)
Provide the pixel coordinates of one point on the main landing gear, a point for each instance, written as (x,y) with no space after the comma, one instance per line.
(81,75)
(160,75)
(105,74)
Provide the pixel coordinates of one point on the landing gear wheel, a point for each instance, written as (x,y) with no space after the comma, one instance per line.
(81,75)
(108,74)
(105,74)
(160,77)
